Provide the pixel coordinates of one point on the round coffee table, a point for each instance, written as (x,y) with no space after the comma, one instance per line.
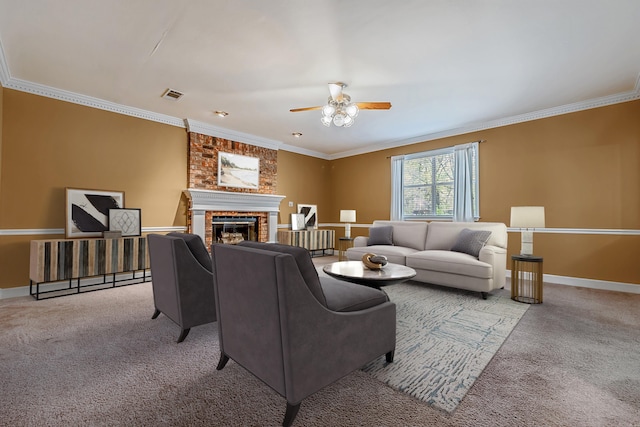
(356,272)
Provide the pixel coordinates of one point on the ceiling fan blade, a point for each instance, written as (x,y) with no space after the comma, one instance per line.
(335,89)
(295,110)
(373,105)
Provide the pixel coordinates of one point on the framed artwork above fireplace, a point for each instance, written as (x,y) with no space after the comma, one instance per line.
(235,170)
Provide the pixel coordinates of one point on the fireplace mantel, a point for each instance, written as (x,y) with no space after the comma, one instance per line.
(213,200)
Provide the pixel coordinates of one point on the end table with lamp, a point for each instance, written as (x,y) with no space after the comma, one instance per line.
(526,269)
(347,216)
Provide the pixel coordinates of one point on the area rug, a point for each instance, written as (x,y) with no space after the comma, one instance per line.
(445,338)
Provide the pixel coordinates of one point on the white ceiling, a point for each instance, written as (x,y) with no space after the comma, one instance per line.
(447,66)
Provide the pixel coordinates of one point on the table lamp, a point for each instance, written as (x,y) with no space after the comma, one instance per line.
(527,218)
(347,216)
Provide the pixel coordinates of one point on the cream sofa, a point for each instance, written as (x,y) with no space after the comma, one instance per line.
(426,247)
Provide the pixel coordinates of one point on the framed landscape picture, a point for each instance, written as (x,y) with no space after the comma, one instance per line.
(235,170)
(127,221)
(87,211)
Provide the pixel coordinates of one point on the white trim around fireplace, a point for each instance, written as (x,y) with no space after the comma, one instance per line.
(213,200)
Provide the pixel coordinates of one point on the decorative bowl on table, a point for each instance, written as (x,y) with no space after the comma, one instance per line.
(373,261)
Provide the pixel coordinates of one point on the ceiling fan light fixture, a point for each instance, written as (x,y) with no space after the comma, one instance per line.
(339,109)
(348,121)
(339,119)
(328,110)
(352,110)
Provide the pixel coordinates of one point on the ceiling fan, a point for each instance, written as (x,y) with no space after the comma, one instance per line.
(339,109)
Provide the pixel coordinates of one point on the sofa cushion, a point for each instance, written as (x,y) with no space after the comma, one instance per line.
(380,235)
(410,234)
(303,259)
(394,254)
(197,248)
(450,262)
(443,235)
(345,296)
(471,241)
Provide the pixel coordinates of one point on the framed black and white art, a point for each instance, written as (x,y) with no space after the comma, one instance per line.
(127,221)
(310,213)
(87,211)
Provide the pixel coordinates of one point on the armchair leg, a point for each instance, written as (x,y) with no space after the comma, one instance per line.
(222,362)
(183,335)
(390,355)
(155,314)
(484,295)
(290,415)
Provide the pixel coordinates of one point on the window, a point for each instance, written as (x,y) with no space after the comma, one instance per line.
(424,184)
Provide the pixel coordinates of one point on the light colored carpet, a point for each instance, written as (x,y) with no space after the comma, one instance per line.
(445,338)
(97,359)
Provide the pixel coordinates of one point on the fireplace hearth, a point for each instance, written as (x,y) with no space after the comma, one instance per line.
(245,225)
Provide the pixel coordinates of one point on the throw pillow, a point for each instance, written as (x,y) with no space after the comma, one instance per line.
(381,235)
(471,241)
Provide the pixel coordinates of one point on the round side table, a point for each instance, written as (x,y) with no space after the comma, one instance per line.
(526,279)
(344,243)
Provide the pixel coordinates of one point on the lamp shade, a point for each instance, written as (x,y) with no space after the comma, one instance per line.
(527,217)
(347,216)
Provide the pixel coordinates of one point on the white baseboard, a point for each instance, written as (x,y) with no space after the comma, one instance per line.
(589,283)
(22,291)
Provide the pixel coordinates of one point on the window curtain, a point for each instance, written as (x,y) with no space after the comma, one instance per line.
(396,187)
(462,183)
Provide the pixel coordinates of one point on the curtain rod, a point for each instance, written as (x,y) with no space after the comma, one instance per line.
(478,141)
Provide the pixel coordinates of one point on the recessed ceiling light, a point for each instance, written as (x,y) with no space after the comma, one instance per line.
(296,134)
(221,113)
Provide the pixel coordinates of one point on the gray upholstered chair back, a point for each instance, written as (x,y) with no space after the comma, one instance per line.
(271,323)
(181,281)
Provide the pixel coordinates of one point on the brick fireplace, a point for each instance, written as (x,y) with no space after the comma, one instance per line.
(205,204)
(208,199)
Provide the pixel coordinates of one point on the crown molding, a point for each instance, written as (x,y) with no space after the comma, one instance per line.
(89,101)
(304,151)
(603,101)
(5,76)
(215,131)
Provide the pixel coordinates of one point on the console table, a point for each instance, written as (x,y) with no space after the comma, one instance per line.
(75,259)
(312,240)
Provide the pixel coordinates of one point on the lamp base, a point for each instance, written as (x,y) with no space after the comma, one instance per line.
(526,244)
(347,230)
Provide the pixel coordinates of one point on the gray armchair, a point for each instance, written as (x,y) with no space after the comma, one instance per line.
(181,276)
(290,329)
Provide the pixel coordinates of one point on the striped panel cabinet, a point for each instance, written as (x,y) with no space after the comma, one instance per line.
(69,259)
(312,240)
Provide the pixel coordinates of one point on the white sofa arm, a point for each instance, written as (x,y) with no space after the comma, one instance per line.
(497,257)
(360,241)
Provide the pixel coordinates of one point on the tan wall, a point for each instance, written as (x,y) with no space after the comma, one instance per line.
(49,145)
(305,180)
(584,168)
